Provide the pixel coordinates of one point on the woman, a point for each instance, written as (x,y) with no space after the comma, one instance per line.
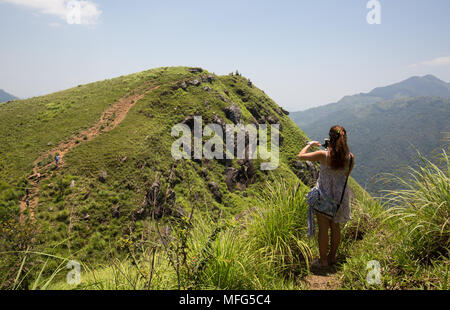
(335,165)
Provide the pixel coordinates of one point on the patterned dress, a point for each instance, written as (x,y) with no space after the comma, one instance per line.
(331,182)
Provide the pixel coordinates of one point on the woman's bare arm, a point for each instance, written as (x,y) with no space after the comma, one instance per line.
(353,162)
(319,156)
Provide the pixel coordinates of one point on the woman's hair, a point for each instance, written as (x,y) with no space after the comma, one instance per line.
(338,147)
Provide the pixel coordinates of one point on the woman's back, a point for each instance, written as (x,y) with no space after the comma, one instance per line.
(331,183)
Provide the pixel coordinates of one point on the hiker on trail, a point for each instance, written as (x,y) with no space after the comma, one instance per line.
(27,192)
(38,177)
(57,157)
(27,203)
(336,163)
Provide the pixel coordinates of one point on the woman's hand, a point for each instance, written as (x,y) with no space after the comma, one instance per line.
(314,143)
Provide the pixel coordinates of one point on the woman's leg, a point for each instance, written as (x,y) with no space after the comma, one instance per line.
(335,240)
(324,226)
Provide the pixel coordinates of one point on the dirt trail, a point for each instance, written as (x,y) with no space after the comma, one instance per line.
(109,119)
(323,279)
(322,282)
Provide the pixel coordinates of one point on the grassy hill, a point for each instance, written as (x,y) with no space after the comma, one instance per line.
(99,195)
(135,218)
(387,126)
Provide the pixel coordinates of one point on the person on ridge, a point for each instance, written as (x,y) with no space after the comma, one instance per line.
(336,163)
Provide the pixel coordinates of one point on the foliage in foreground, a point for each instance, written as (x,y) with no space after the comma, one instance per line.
(264,248)
(412,240)
(267,248)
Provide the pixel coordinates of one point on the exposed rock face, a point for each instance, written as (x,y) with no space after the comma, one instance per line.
(183,85)
(194,82)
(240,92)
(284,111)
(103,177)
(208,78)
(240,178)
(307,172)
(258,113)
(233,113)
(272,119)
(195,70)
(231,178)
(215,190)
(218,120)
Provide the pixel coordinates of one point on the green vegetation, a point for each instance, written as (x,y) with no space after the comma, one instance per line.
(80,212)
(137,219)
(411,239)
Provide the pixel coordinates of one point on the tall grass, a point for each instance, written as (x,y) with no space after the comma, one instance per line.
(411,236)
(265,249)
(423,208)
(280,225)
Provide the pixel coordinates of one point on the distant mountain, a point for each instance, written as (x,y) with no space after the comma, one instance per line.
(387,125)
(4,96)
(427,85)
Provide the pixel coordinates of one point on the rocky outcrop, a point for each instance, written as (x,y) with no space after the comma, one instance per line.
(307,172)
(233,113)
(194,82)
(103,177)
(240,178)
(215,190)
(195,70)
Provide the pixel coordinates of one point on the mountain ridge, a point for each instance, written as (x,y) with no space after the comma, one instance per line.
(4,96)
(379,93)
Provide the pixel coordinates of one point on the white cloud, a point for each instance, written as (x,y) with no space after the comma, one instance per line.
(439,61)
(87,12)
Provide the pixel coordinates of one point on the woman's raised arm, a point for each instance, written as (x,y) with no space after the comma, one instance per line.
(319,156)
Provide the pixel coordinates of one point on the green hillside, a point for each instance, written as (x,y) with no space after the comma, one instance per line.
(135,218)
(73,201)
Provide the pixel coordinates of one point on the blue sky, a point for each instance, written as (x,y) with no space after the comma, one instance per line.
(301,53)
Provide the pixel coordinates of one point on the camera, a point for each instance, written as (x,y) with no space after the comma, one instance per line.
(326,143)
